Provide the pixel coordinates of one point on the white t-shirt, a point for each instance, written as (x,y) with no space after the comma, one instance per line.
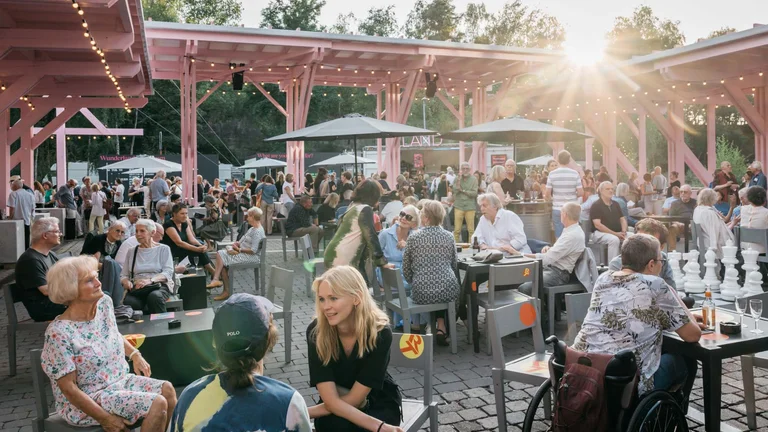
(97,203)
(119,195)
(563,182)
(23,204)
(287,188)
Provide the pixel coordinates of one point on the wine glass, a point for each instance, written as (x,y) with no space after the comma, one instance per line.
(195,260)
(741,304)
(756,309)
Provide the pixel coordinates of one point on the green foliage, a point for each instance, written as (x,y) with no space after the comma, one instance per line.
(380,21)
(436,20)
(518,25)
(643,33)
(345,23)
(214,12)
(162,10)
(728,151)
(293,14)
(723,31)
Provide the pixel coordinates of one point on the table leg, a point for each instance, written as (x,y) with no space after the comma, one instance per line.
(712,377)
(686,230)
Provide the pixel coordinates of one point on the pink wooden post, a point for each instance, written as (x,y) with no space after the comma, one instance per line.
(5,157)
(462,116)
(761,140)
(642,144)
(290,157)
(711,139)
(678,122)
(61,152)
(588,149)
(610,125)
(27,154)
(379,155)
(184,118)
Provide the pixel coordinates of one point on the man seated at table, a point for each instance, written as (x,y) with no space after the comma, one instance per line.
(560,259)
(683,208)
(609,223)
(32,266)
(129,220)
(302,219)
(499,228)
(668,202)
(107,244)
(657,229)
(630,308)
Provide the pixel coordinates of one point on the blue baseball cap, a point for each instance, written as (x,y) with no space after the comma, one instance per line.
(241,324)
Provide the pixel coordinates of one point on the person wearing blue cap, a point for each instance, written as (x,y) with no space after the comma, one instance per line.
(239,397)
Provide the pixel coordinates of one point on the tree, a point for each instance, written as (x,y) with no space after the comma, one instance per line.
(345,23)
(293,14)
(162,10)
(380,21)
(214,12)
(518,25)
(723,31)
(475,21)
(436,20)
(642,33)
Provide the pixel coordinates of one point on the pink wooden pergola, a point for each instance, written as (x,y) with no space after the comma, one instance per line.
(389,68)
(728,70)
(51,54)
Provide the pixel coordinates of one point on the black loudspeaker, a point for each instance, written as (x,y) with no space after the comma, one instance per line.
(431,85)
(237,81)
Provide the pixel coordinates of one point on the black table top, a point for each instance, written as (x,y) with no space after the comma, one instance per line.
(155,325)
(465,260)
(717,341)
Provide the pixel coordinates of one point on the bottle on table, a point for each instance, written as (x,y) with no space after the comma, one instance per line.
(476,245)
(708,310)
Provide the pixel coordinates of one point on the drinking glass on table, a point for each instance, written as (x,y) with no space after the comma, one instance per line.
(741,304)
(195,261)
(756,309)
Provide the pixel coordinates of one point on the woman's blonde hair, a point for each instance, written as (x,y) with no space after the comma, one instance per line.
(332,200)
(65,276)
(433,212)
(346,281)
(255,213)
(414,211)
(706,197)
(498,173)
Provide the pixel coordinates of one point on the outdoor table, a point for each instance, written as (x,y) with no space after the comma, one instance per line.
(176,355)
(192,290)
(669,219)
(711,350)
(472,270)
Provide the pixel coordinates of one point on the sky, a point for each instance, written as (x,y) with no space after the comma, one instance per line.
(584,20)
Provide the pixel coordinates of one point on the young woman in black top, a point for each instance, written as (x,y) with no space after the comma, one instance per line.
(348,349)
(181,239)
(327,210)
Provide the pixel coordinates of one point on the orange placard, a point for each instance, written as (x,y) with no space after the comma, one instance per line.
(527,314)
(135,339)
(526,272)
(411,345)
(474,286)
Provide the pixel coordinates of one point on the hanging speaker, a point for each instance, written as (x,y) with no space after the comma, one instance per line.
(237,81)
(431,85)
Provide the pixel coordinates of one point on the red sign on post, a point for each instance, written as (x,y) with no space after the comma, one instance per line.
(498,159)
(418,160)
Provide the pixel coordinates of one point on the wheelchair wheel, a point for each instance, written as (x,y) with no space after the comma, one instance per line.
(658,412)
(535,418)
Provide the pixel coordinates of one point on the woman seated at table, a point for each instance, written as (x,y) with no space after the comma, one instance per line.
(243,333)
(327,210)
(429,264)
(615,322)
(498,174)
(147,276)
(713,229)
(182,241)
(161,214)
(348,352)
(754,215)
(244,251)
(214,229)
(84,356)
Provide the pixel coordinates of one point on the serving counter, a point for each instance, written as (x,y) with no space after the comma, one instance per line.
(537,218)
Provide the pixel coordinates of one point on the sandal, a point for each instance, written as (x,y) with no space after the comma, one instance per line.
(222,296)
(441,337)
(214,284)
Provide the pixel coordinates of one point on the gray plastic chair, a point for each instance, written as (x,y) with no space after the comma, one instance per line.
(574,286)
(748,363)
(416,412)
(285,239)
(532,369)
(403,304)
(599,250)
(309,256)
(259,269)
(14,325)
(578,306)
(753,235)
(282,278)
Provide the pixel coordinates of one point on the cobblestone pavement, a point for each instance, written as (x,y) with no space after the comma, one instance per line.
(462,382)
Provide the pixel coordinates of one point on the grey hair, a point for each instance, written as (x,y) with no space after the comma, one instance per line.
(433,212)
(622,190)
(162,203)
(149,224)
(638,250)
(464,164)
(42,226)
(572,211)
(18,183)
(498,173)
(255,213)
(743,192)
(492,199)
(161,174)
(757,165)
(602,185)
(706,197)
(117,224)
(134,212)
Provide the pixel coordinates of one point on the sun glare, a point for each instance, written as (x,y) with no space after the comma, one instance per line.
(583,52)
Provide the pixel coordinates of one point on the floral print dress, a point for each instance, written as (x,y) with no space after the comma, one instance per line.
(94,350)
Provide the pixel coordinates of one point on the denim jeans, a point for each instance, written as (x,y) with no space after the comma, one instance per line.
(557,223)
(675,370)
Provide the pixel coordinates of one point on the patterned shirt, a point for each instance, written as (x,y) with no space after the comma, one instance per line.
(355,240)
(429,265)
(631,312)
(564,184)
(299,217)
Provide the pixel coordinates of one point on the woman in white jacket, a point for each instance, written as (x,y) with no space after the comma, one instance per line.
(97,209)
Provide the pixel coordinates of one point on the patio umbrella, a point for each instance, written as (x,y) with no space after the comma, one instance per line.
(345,159)
(264,163)
(515,130)
(147,163)
(541,160)
(352,126)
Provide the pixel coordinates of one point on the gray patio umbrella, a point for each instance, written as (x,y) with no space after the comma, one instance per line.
(515,130)
(352,126)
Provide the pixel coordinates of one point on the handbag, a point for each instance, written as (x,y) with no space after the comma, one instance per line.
(488,256)
(146,289)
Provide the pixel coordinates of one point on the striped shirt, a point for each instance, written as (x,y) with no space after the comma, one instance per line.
(563,183)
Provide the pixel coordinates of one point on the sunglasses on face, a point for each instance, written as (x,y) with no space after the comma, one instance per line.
(406,216)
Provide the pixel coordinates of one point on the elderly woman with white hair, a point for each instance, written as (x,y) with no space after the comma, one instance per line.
(246,250)
(498,174)
(499,228)
(147,275)
(162,212)
(84,355)
(712,228)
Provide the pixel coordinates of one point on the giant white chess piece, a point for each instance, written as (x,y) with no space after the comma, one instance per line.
(710,277)
(693,282)
(729,255)
(753,283)
(730,287)
(677,274)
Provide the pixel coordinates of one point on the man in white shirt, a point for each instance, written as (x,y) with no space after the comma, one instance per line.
(563,186)
(21,206)
(499,228)
(129,220)
(118,196)
(560,259)
(450,176)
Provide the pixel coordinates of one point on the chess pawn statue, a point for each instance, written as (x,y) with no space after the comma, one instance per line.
(677,273)
(710,278)
(750,260)
(754,283)
(729,255)
(693,282)
(730,286)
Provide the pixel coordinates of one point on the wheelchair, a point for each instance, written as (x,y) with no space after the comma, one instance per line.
(657,411)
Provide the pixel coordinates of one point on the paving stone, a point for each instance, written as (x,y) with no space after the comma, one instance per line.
(472,403)
(468,426)
(450,417)
(471,414)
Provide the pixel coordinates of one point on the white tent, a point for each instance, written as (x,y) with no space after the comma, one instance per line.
(264,163)
(541,160)
(146,163)
(344,159)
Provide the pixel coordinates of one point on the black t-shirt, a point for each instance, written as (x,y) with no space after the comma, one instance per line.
(99,244)
(30,274)
(512,187)
(384,184)
(345,187)
(671,185)
(683,209)
(610,216)
(370,370)
(325,213)
(254,185)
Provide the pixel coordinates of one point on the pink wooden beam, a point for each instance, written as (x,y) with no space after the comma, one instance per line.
(5,157)
(209,92)
(642,142)
(91,87)
(96,132)
(630,124)
(94,121)
(70,68)
(270,98)
(448,105)
(747,110)
(61,152)
(27,154)
(19,88)
(711,138)
(88,102)
(307,83)
(32,117)
(406,100)
(588,149)
(53,126)
(499,98)
(462,116)
(64,39)
(379,154)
